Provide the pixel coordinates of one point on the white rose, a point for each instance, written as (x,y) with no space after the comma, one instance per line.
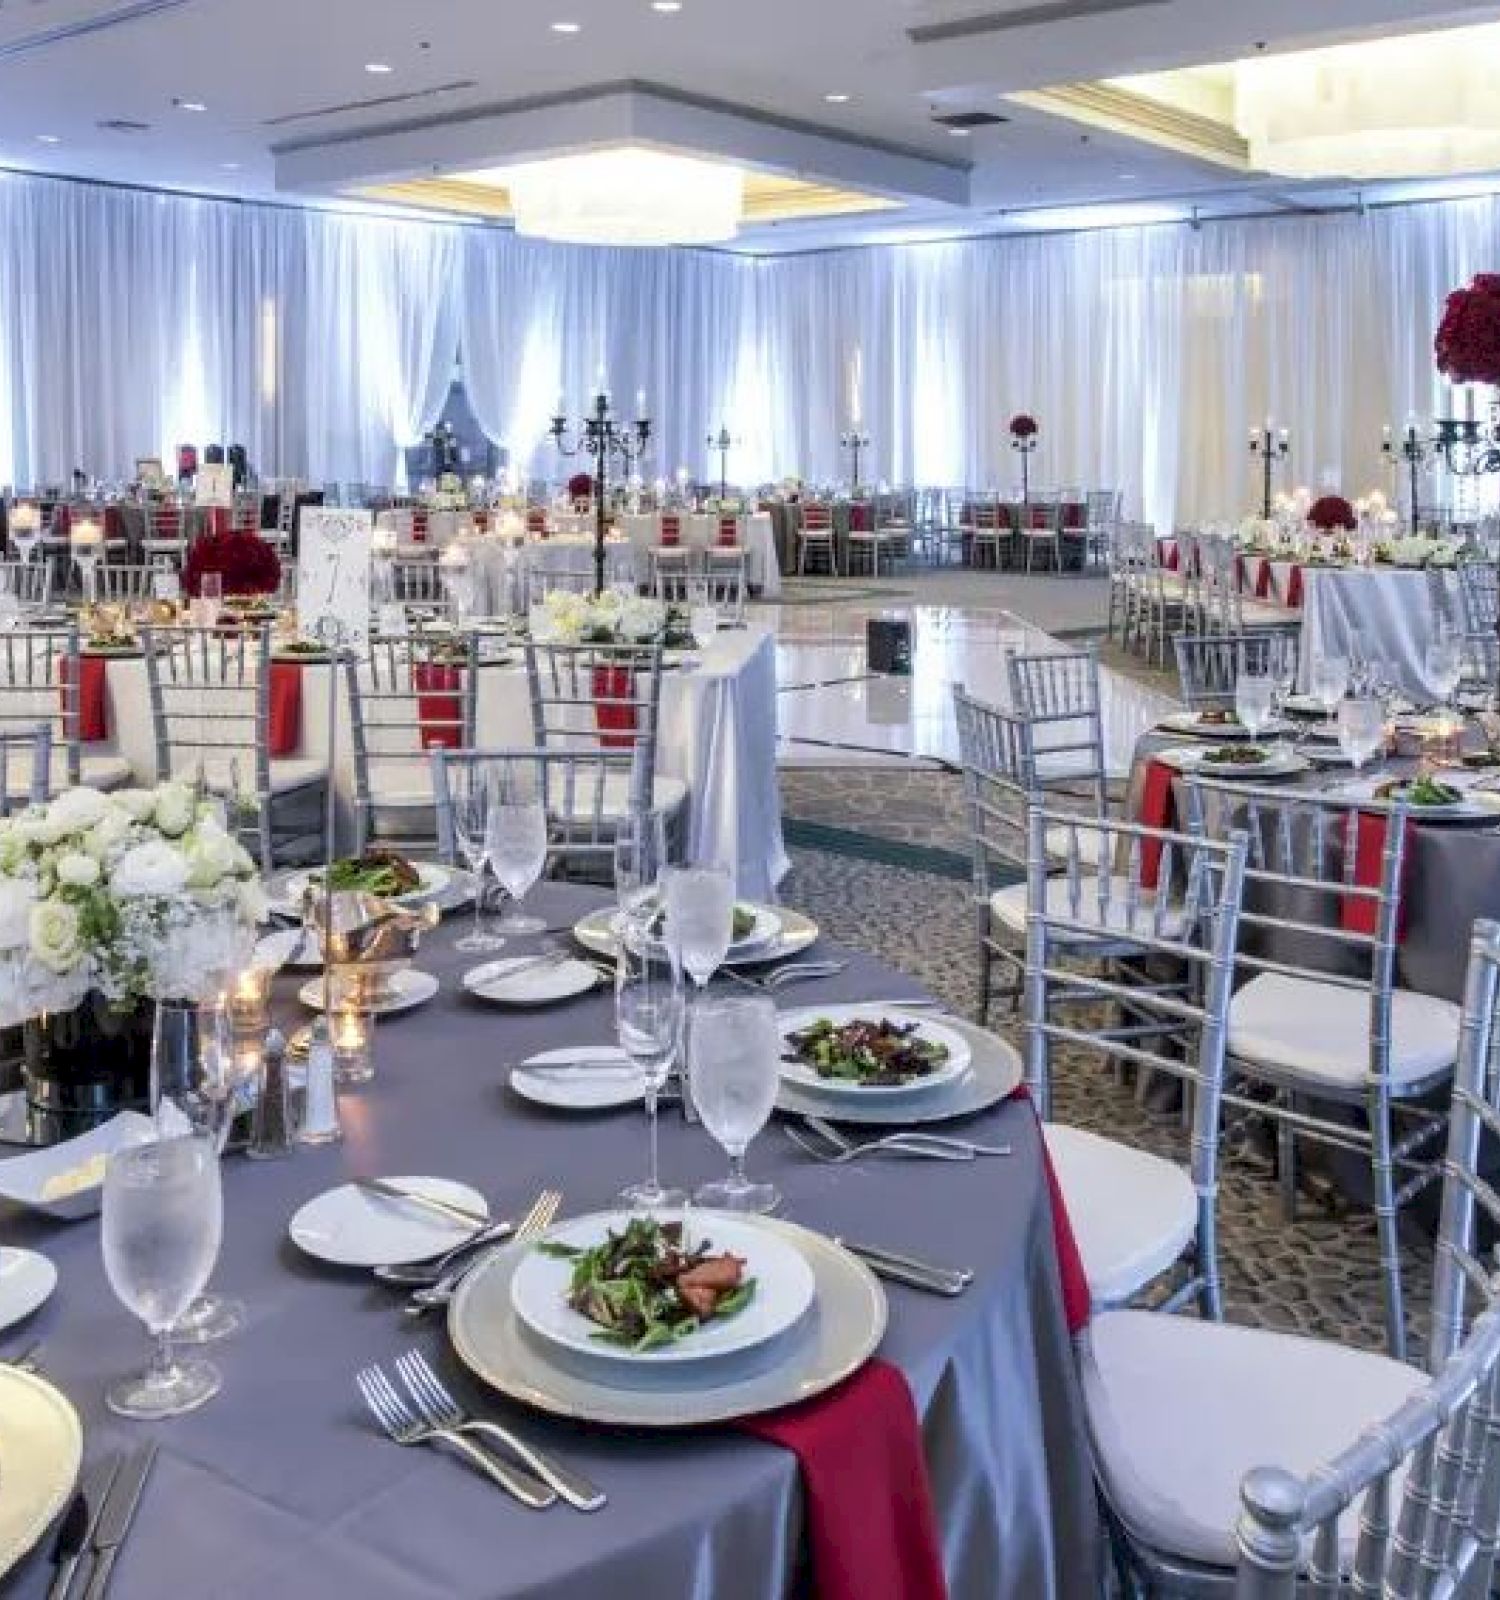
(153,868)
(253,904)
(54,935)
(73,867)
(16,901)
(212,855)
(110,830)
(176,809)
(138,804)
(76,810)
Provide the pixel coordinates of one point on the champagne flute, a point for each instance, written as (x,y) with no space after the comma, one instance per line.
(640,853)
(516,846)
(733,1071)
(160,1232)
(470,789)
(648,1021)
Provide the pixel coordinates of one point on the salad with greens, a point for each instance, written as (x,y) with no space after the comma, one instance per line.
(646,1288)
(882,1054)
(1422,791)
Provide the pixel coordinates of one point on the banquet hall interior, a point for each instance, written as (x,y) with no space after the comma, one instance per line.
(749,799)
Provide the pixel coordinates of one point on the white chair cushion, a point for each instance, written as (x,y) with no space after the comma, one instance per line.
(1112,918)
(1133,1214)
(95,772)
(1180,1410)
(1322,1030)
(667,796)
(287,773)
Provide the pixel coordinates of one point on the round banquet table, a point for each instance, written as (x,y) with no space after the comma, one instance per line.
(282,1485)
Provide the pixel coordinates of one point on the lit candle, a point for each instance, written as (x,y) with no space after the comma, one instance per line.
(640,402)
(351,1048)
(26,519)
(1286,435)
(248,1008)
(87,533)
(1385,433)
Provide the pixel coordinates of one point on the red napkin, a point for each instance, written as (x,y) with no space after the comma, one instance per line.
(1358,914)
(1075,515)
(1158,810)
(419,527)
(614,705)
(439,707)
(671,533)
(1037,517)
(1077,1302)
(871,1526)
(859,517)
(1294,588)
(729,533)
(1173,556)
(114,523)
(286,708)
(1239,572)
(536,520)
(93,720)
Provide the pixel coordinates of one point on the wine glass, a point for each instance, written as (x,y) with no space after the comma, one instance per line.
(162,1223)
(700,918)
(1254,694)
(733,1055)
(640,858)
(1330,681)
(195,1088)
(648,1021)
(470,791)
(1361,730)
(1445,664)
(516,847)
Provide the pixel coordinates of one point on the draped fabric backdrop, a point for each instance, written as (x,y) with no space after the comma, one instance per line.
(325,341)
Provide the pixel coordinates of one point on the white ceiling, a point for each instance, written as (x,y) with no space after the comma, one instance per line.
(267,69)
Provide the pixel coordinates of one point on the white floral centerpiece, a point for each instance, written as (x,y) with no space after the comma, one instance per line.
(1258,533)
(135,895)
(1419,550)
(609,618)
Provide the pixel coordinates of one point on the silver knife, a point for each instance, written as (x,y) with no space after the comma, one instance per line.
(426,1202)
(93,1491)
(115,1519)
(904,1269)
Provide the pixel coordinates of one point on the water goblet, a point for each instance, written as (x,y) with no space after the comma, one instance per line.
(1444,665)
(516,849)
(733,1071)
(1330,681)
(648,1022)
(162,1223)
(700,918)
(1361,730)
(1254,694)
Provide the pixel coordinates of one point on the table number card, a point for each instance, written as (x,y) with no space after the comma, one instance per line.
(214,485)
(333,572)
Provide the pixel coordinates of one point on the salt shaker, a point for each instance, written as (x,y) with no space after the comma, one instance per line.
(271,1124)
(320,1111)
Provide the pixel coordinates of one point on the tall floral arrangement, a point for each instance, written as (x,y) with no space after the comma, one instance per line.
(1468,337)
(137,894)
(1024,426)
(247,564)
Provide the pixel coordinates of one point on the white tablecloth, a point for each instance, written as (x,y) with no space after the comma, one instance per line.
(717,733)
(503,569)
(700,531)
(1390,613)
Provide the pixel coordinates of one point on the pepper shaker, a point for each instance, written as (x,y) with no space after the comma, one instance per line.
(271,1124)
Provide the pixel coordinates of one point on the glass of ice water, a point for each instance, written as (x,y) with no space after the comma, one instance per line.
(470,792)
(162,1223)
(1254,701)
(734,1045)
(516,849)
(1330,681)
(700,918)
(1361,730)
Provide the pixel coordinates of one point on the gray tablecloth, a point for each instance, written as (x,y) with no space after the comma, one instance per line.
(280,1486)
(1453,876)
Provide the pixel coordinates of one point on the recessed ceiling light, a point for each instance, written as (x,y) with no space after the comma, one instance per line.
(959,133)
(666,7)
(190,105)
(229,166)
(378,67)
(48,138)
(837,99)
(567,27)
(1129,177)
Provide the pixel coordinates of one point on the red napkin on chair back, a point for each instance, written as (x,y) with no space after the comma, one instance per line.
(1263,580)
(1158,810)
(1172,559)
(671,530)
(1358,914)
(1077,1302)
(859,517)
(114,523)
(439,704)
(93,719)
(614,705)
(419,527)
(729,532)
(285,731)
(1075,515)
(1294,588)
(871,1526)
(536,519)
(1037,516)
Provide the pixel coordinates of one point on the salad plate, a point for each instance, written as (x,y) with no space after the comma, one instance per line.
(588,1086)
(771,1291)
(839,1333)
(1429,799)
(864,1049)
(66,1180)
(1215,725)
(995,1072)
(41,1450)
(27,1280)
(433,880)
(352,1227)
(530,981)
(1247,761)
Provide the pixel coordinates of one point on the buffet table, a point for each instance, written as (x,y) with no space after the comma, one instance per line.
(282,1485)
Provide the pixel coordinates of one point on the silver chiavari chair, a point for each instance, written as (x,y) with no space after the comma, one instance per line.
(1319,1020)
(1058,700)
(417,581)
(1209,664)
(1172,902)
(1279,1467)
(1102,519)
(210,695)
(723,581)
(132,582)
(1160,602)
(1479,596)
(407,698)
(815,536)
(41,681)
(578,790)
(1222,605)
(25,767)
(29,581)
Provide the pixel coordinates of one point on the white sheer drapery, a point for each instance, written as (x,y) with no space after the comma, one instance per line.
(325,341)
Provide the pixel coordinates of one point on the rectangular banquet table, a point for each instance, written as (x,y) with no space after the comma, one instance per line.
(700,531)
(280,1485)
(1391,613)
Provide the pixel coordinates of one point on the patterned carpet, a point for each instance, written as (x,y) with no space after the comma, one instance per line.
(875,855)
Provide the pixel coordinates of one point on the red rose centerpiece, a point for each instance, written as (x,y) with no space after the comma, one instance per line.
(1023,426)
(247,564)
(1332,512)
(1468,338)
(580,486)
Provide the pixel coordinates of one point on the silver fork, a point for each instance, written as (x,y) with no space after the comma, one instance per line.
(837,1157)
(400,1424)
(437,1405)
(543,1209)
(908,1136)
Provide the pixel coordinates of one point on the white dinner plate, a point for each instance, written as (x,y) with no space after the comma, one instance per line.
(797,933)
(408,988)
(26,1281)
(434,880)
(924,1027)
(66,1180)
(840,1333)
(520,981)
(1192,722)
(351,1227)
(1306,706)
(1480,807)
(995,1072)
(585,1088)
(1281,762)
(784,1289)
(41,1449)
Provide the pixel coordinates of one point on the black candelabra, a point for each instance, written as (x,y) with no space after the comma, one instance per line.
(855,442)
(1415,452)
(1024,444)
(603,438)
(723,441)
(1271,447)
(1469,446)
